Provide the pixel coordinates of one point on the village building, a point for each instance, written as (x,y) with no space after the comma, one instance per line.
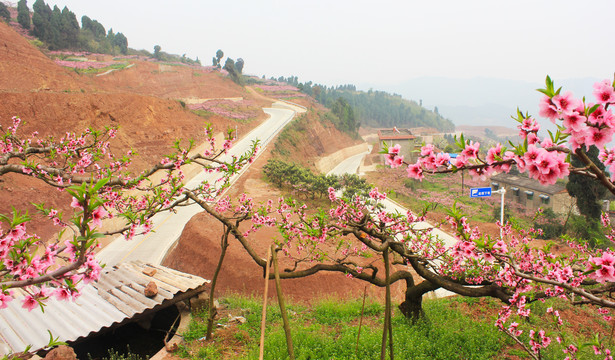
(533,195)
(403,137)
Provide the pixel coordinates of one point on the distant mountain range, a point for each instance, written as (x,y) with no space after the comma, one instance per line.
(480,101)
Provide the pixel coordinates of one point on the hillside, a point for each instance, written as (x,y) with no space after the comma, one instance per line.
(142,100)
(148,100)
(381,109)
(24,68)
(310,136)
(376,108)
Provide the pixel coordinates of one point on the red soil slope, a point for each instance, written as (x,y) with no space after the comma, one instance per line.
(25,68)
(53,100)
(142,101)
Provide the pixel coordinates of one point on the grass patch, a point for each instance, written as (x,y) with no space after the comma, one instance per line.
(203,113)
(329,328)
(118,66)
(454,328)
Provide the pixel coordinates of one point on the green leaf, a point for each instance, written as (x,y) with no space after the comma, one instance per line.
(546,92)
(97,235)
(385,148)
(100,184)
(549,83)
(53,342)
(558,91)
(592,109)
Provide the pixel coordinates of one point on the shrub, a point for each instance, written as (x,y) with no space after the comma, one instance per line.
(550,224)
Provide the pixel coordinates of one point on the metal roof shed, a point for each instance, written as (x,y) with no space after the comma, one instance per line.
(117,298)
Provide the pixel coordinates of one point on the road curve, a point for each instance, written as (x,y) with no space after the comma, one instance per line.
(167,227)
(351,165)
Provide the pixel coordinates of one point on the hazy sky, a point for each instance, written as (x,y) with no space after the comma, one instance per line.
(377,42)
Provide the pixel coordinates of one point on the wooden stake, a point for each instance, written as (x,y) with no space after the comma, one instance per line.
(361,320)
(262,343)
(212,292)
(388,330)
(389,306)
(278,287)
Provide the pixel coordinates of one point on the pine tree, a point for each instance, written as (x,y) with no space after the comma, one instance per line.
(23,14)
(120,41)
(41,19)
(69,27)
(4,12)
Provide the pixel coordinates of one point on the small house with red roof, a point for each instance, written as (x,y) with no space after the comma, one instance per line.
(403,137)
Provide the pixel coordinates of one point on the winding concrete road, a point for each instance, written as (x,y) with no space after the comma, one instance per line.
(167,227)
(351,166)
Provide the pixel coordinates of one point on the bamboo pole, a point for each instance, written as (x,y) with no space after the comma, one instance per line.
(387,311)
(361,320)
(212,292)
(264,315)
(278,287)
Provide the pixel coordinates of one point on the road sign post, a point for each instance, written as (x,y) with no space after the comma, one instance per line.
(480,192)
(486,192)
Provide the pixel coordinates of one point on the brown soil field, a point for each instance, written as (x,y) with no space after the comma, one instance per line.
(140,101)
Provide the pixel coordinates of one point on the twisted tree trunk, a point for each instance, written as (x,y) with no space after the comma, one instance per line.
(412,306)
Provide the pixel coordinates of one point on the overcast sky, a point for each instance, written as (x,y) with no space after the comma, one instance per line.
(376,42)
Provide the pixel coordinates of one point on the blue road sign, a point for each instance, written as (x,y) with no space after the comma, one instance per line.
(480,192)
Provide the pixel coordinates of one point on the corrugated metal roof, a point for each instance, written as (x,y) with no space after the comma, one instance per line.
(117,296)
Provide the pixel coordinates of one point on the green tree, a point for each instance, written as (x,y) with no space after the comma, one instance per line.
(41,19)
(56,38)
(4,12)
(23,14)
(239,65)
(218,59)
(69,28)
(98,30)
(157,49)
(346,120)
(110,35)
(587,191)
(229,66)
(93,27)
(86,23)
(121,41)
